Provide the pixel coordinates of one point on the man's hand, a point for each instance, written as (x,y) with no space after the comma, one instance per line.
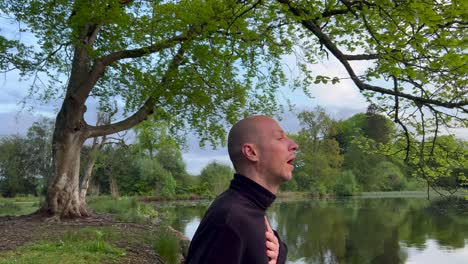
(272,244)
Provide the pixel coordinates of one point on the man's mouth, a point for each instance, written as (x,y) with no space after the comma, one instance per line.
(290,161)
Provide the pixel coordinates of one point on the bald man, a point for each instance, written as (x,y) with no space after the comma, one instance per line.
(235,229)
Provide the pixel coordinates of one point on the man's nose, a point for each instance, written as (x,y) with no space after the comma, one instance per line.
(293,146)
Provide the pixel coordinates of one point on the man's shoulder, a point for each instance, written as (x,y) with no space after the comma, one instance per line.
(233,210)
(230,207)
(227,203)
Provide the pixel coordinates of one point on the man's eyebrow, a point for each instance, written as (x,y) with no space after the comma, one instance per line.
(280,132)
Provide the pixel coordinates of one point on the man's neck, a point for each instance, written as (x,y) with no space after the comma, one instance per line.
(260,179)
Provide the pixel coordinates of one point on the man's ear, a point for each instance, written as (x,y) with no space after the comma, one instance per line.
(250,152)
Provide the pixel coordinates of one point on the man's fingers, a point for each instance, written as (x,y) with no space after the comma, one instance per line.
(270,245)
(271,237)
(271,254)
(268,227)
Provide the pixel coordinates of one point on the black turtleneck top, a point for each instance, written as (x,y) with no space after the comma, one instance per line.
(233,228)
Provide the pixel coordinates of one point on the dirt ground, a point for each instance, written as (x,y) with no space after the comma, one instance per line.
(19,230)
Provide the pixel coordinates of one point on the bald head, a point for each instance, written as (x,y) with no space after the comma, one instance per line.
(247,131)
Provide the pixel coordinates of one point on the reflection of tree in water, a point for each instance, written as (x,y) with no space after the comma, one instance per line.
(179,216)
(363,230)
(449,227)
(314,232)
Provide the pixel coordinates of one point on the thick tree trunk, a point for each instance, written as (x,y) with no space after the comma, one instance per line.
(94,188)
(428,191)
(71,131)
(114,189)
(92,157)
(87,176)
(85,180)
(63,197)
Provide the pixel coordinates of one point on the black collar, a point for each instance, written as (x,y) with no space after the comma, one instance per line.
(253,191)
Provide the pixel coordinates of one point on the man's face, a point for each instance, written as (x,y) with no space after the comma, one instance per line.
(276,152)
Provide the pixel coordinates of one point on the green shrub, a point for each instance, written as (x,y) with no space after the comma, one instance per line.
(202,190)
(126,209)
(216,177)
(168,188)
(346,184)
(321,189)
(415,184)
(388,177)
(166,244)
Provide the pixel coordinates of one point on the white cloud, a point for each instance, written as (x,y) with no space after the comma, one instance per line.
(197,161)
(15,123)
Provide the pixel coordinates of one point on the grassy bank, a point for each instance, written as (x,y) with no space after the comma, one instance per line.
(142,209)
(87,245)
(17,208)
(128,209)
(406,194)
(125,231)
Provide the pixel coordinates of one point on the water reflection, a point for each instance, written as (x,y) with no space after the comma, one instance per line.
(191,227)
(359,231)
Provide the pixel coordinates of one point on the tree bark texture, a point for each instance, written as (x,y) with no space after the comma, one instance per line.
(102,119)
(97,146)
(63,198)
(114,188)
(70,133)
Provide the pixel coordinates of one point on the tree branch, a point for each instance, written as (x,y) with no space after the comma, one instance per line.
(325,40)
(362,56)
(135,53)
(244,12)
(397,120)
(144,111)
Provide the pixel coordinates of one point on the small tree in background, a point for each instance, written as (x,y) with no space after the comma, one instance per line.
(217,177)
(346,184)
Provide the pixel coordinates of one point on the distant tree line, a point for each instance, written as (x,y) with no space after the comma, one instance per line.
(151,166)
(26,161)
(367,153)
(362,153)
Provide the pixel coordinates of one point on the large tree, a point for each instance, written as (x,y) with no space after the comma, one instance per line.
(200,64)
(319,159)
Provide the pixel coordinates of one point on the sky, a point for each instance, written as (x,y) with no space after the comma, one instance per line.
(341,101)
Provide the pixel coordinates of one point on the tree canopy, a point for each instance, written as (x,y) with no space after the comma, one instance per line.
(205,63)
(197,63)
(223,50)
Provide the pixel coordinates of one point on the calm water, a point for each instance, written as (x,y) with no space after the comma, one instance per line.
(372,230)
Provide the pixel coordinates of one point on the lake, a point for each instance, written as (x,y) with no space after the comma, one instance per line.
(357,230)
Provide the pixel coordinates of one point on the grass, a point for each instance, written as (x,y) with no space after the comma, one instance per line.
(15,208)
(92,245)
(87,246)
(20,205)
(21,199)
(395,194)
(125,208)
(415,194)
(166,244)
(293,196)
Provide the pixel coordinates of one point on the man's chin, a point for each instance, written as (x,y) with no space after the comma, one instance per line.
(287,177)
